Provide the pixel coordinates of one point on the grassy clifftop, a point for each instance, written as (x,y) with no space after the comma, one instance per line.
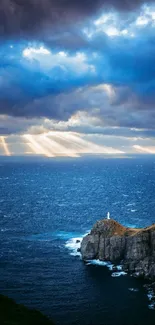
(14,314)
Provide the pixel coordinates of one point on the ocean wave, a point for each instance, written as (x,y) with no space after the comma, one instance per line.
(66,235)
(100,263)
(119,267)
(109,265)
(73,245)
(117,274)
(116,203)
(131,204)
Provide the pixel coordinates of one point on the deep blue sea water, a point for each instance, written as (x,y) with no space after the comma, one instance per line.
(44,205)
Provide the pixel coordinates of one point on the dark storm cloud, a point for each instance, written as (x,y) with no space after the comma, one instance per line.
(34,17)
(129,112)
(29,90)
(12,125)
(37,88)
(115,132)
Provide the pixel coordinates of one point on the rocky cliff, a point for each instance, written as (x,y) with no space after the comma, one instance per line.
(133,248)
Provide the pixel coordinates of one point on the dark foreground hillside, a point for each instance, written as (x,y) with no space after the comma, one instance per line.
(14,314)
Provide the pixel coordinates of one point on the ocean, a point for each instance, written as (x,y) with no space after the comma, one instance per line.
(45,206)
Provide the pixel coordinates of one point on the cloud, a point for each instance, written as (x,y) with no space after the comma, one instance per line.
(47,61)
(38,82)
(12,125)
(95,76)
(85,109)
(27,18)
(149,150)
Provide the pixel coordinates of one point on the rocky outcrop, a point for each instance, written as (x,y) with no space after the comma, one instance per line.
(133,248)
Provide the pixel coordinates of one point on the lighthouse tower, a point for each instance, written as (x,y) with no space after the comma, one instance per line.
(108,215)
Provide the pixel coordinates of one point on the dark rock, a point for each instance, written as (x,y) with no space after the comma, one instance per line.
(79,250)
(133,248)
(77,241)
(15,314)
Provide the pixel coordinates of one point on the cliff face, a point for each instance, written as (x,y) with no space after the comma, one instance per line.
(133,248)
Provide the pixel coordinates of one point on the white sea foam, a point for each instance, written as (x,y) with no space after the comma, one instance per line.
(73,245)
(115,203)
(117,274)
(132,210)
(109,265)
(152,305)
(151,296)
(119,267)
(133,289)
(130,204)
(96,262)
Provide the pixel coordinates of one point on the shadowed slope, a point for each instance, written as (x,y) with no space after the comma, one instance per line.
(14,314)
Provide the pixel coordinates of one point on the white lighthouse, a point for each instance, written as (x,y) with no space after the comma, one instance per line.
(108,215)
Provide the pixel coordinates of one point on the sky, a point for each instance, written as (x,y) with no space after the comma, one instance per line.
(77,77)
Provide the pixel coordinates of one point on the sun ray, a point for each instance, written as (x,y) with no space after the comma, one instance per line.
(144,149)
(5,146)
(68,141)
(33,148)
(36,147)
(94,148)
(69,144)
(58,149)
(82,146)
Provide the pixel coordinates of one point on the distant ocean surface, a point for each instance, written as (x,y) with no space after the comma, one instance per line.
(44,206)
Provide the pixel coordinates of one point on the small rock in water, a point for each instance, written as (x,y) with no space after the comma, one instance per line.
(77,241)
